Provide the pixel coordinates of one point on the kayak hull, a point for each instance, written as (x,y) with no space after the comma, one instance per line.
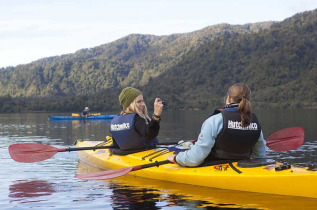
(94,117)
(198,196)
(295,181)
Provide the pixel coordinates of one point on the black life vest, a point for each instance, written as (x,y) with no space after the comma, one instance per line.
(235,141)
(124,134)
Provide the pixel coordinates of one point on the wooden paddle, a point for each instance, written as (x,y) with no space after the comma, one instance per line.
(282,140)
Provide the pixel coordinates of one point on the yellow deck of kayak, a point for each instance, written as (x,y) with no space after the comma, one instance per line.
(293,182)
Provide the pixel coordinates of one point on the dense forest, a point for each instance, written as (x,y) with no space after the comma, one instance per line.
(190,71)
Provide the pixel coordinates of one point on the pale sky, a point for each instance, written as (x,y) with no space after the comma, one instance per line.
(34,29)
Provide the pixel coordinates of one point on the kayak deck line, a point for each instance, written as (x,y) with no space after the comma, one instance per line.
(293,181)
(234,168)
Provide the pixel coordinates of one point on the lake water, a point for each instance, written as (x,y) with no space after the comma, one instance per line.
(52,183)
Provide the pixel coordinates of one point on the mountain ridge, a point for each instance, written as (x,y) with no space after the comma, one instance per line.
(196,67)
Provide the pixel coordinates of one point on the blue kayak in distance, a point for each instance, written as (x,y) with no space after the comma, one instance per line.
(93,117)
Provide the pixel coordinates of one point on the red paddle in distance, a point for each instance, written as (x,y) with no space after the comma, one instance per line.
(282,140)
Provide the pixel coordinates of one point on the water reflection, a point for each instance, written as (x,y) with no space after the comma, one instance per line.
(79,129)
(25,189)
(125,197)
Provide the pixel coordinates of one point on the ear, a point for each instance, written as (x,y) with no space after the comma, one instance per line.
(229,100)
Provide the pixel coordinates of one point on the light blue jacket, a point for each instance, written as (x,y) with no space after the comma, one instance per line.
(206,140)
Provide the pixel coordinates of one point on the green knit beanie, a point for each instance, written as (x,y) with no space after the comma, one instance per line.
(127,96)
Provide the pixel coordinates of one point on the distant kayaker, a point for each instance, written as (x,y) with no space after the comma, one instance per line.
(232,133)
(85,112)
(133,129)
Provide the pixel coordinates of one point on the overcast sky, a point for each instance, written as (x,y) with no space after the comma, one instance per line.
(34,29)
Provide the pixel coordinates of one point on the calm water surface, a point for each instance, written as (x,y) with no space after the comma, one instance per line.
(51,183)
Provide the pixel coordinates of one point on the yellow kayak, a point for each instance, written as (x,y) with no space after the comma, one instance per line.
(206,197)
(273,178)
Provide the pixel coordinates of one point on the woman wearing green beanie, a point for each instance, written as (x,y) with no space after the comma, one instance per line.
(133,129)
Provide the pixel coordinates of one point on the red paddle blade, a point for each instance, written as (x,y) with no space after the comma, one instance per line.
(105,174)
(31,152)
(286,139)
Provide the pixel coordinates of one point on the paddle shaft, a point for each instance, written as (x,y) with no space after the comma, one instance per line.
(156,163)
(69,149)
(167,142)
(174,142)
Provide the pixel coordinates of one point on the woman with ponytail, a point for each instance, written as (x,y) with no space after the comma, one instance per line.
(232,133)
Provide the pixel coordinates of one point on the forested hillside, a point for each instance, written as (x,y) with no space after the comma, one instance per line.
(193,70)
